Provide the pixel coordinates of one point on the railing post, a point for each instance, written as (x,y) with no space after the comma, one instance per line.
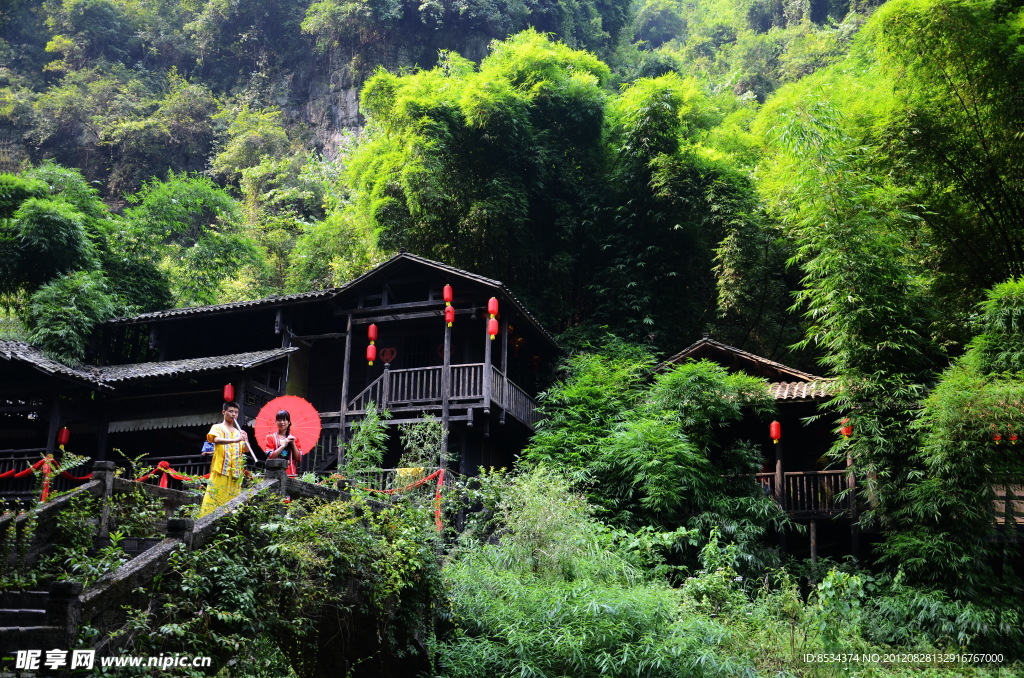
(104,472)
(487,371)
(181,528)
(385,388)
(64,609)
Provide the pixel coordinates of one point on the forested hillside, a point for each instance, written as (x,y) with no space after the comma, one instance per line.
(835,185)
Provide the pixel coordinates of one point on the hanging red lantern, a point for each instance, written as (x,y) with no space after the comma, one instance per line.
(775,431)
(846,429)
(1013,438)
(371,354)
(997,438)
(492,307)
(448,294)
(492,328)
(229,393)
(449,315)
(63,436)
(371,333)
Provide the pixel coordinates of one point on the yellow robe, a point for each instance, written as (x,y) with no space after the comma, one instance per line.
(225,471)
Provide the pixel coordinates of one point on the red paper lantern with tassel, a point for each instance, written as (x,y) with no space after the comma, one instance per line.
(846,429)
(229,393)
(63,436)
(775,431)
(449,315)
(492,327)
(448,295)
(371,333)
(492,307)
(371,354)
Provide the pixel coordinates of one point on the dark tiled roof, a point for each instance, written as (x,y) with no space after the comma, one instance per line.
(19,351)
(747,355)
(270,302)
(794,391)
(111,374)
(220,308)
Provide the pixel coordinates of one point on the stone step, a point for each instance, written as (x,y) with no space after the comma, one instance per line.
(14,638)
(22,617)
(23,599)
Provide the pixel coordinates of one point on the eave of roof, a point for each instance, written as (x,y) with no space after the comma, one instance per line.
(686,353)
(19,351)
(801,391)
(112,374)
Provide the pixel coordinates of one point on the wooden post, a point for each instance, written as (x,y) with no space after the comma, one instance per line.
(51,436)
(487,367)
(446,392)
(854,518)
(385,387)
(780,478)
(814,541)
(504,368)
(343,410)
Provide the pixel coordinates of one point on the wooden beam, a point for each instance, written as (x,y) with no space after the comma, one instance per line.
(346,365)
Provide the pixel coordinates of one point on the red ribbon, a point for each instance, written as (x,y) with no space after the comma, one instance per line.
(164,468)
(439,474)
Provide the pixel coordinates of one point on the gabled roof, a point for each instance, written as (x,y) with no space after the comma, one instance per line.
(730,356)
(106,377)
(169,368)
(784,383)
(381,269)
(20,352)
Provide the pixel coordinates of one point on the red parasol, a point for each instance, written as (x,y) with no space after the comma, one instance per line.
(305,421)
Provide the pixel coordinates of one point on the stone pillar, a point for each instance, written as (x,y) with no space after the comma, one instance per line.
(64,609)
(277,469)
(103,471)
(181,528)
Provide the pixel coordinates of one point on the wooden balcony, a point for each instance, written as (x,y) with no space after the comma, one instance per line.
(471,386)
(810,494)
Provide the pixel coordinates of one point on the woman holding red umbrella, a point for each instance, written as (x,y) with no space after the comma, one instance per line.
(281,444)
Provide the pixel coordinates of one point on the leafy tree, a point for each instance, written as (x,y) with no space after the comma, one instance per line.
(953,132)
(946,537)
(62,314)
(52,241)
(469,166)
(864,295)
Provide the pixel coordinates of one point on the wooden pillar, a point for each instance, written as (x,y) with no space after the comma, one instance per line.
(385,388)
(487,367)
(780,477)
(446,392)
(504,368)
(343,409)
(814,541)
(854,518)
(51,436)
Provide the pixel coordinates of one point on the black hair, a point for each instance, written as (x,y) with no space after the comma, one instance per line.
(229,403)
(283,414)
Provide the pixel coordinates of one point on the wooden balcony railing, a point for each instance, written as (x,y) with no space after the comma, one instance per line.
(810,493)
(419,389)
(1009,504)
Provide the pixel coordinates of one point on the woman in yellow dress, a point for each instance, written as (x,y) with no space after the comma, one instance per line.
(230,443)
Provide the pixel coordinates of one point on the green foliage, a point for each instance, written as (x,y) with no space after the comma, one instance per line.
(423,442)
(61,314)
(659,455)
(366,446)
(947,536)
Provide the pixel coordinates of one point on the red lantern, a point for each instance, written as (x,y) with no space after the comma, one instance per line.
(449,315)
(371,354)
(1013,438)
(229,393)
(492,307)
(846,429)
(371,333)
(492,327)
(775,431)
(63,436)
(449,295)
(997,438)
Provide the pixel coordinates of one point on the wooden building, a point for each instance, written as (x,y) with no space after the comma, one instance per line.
(797,471)
(157,383)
